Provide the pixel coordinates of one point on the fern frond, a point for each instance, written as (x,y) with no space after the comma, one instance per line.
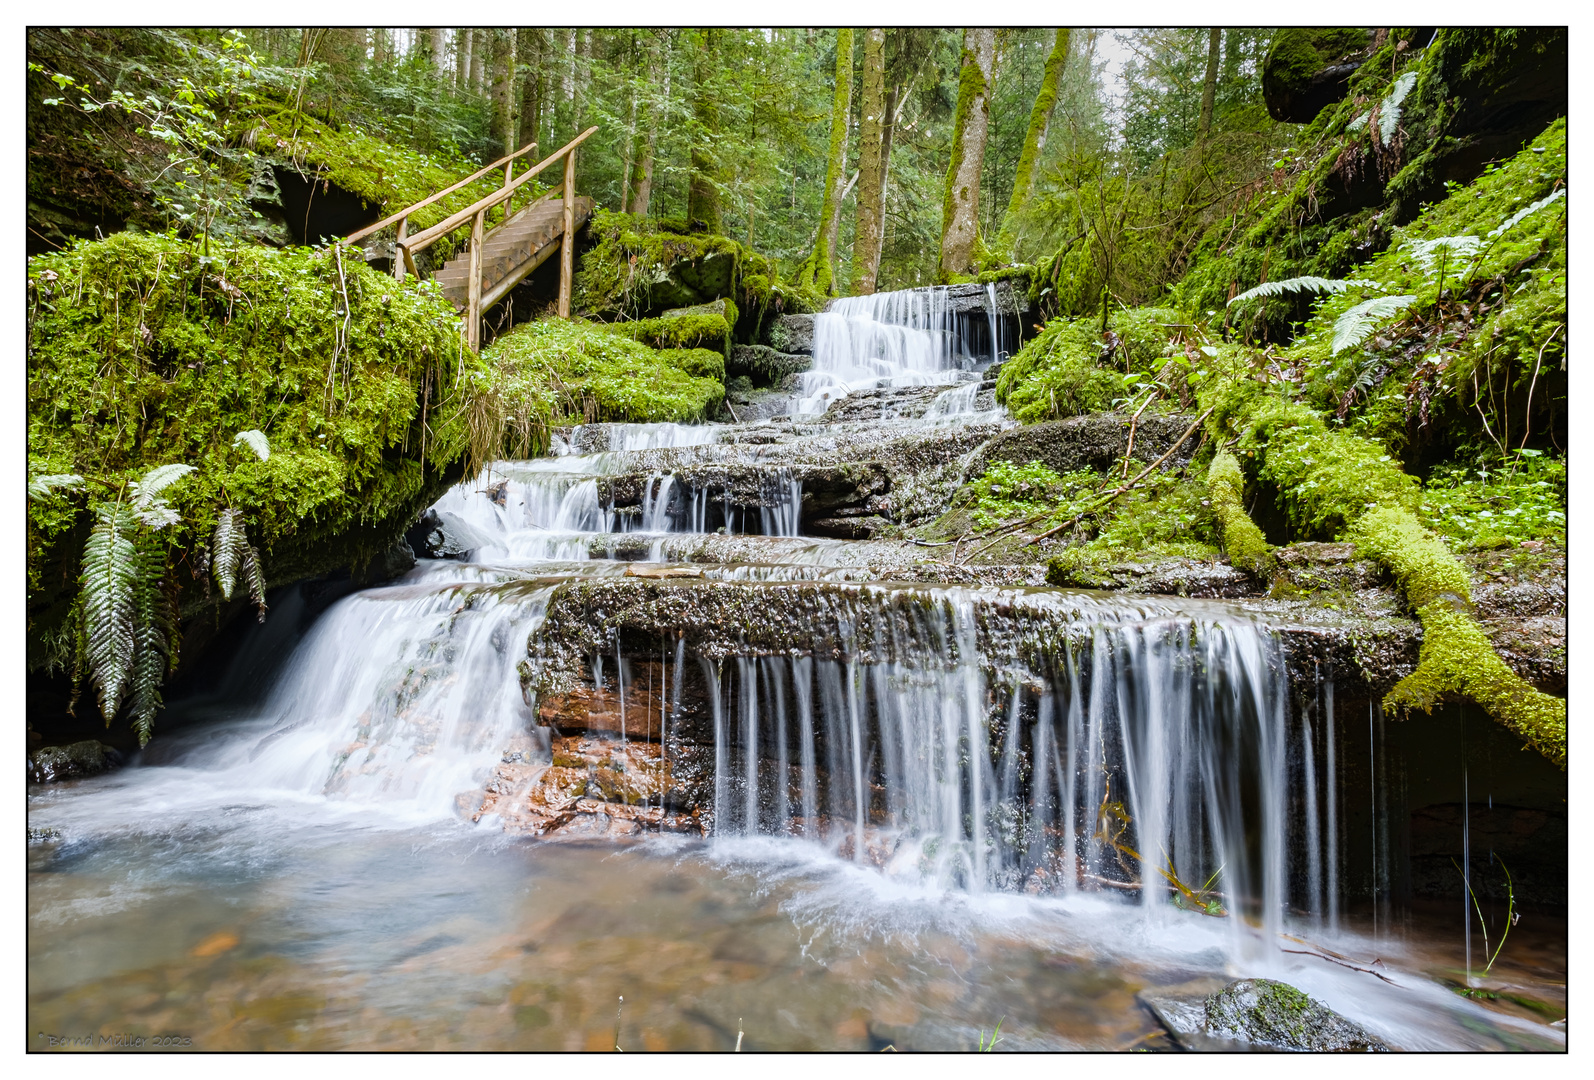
(226,548)
(1356,324)
(156,481)
(1299,284)
(254,580)
(1389,111)
(256,441)
(1426,252)
(1509,222)
(110,571)
(1358,123)
(159,515)
(154,626)
(40,486)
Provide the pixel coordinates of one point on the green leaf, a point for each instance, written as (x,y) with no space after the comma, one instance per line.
(41,486)
(157,480)
(1299,284)
(256,441)
(1356,324)
(1526,210)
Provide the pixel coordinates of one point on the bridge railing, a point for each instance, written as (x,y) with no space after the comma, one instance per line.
(476,215)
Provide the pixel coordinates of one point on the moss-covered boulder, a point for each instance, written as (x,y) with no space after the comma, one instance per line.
(702,326)
(1308,68)
(572,371)
(143,352)
(52,764)
(1267,1013)
(765,365)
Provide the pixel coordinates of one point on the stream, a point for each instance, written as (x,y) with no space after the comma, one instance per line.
(819,792)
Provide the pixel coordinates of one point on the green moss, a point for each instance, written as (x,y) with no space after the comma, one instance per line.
(698,363)
(1456,656)
(639,267)
(1241,538)
(1063,371)
(971,84)
(590,373)
(1333,482)
(684,331)
(142,352)
(387,176)
(1165,518)
(1299,52)
(1501,319)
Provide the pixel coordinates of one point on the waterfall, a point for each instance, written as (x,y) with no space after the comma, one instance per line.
(906,338)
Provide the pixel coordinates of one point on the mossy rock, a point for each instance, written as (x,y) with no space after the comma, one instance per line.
(764,365)
(56,763)
(585,372)
(1309,68)
(1267,1013)
(253,338)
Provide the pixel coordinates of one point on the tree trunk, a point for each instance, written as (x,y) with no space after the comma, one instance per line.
(478,60)
(642,172)
(529,52)
(1209,84)
(378,45)
(440,53)
(960,226)
(702,191)
(464,45)
(506,99)
(872,122)
(580,73)
(816,272)
(1040,118)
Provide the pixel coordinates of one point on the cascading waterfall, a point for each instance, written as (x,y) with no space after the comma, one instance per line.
(906,338)
(1165,737)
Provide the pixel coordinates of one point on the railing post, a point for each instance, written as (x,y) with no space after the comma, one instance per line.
(473,309)
(509,174)
(567,247)
(398,248)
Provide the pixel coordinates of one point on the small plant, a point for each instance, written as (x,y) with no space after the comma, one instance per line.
(987,1045)
(1511,916)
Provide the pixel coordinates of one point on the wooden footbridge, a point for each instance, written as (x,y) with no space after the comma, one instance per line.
(497,260)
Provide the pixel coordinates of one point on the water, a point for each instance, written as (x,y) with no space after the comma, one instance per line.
(893,339)
(919,809)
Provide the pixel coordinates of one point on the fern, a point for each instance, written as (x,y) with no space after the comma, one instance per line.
(1425,253)
(1517,217)
(231,555)
(147,503)
(109,575)
(1389,110)
(226,550)
(254,580)
(1353,327)
(155,623)
(40,486)
(256,441)
(155,481)
(1299,284)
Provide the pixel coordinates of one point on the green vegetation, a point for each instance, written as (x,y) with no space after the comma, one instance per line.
(570,372)
(1064,370)
(145,354)
(1242,540)
(1008,492)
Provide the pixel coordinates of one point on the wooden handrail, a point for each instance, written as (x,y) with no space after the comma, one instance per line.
(426,237)
(430,199)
